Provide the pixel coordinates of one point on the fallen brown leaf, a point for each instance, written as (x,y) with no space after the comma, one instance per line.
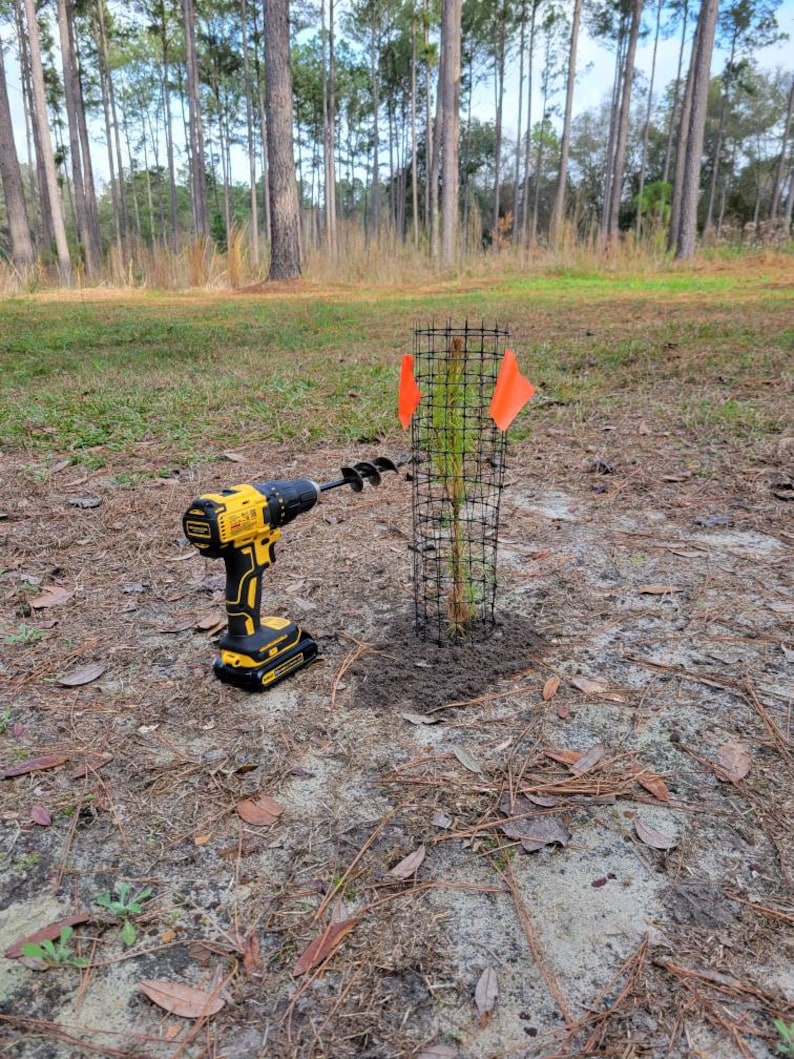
(732,762)
(260,811)
(317,951)
(39,815)
(550,688)
(53,596)
(467,760)
(34,764)
(590,686)
(589,760)
(651,837)
(179,999)
(409,865)
(81,676)
(210,622)
(486,994)
(537,832)
(92,762)
(565,757)
(654,784)
(438,1051)
(252,957)
(48,933)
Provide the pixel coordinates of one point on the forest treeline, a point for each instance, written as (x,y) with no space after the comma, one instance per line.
(264,129)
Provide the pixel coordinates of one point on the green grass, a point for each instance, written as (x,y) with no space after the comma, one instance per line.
(194,373)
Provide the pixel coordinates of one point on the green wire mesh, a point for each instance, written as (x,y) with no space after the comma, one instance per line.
(458,459)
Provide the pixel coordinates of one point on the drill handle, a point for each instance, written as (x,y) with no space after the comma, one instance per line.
(244,569)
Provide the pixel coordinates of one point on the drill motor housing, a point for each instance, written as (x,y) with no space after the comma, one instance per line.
(241,525)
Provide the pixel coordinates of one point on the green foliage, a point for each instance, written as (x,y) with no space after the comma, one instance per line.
(24,634)
(55,954)
(123,906)
(5,720)
(786,1032)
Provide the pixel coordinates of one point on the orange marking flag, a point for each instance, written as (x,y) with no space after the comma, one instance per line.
(410,394)
(511,393)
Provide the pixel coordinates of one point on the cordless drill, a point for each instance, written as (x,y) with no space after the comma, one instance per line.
(242,525)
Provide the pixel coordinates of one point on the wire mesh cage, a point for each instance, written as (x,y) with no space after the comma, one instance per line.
(458,458)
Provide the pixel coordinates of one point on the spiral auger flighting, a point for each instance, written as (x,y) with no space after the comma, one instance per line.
(364,471)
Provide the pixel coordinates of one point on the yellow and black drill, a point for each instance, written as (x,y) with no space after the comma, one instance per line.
(241,525)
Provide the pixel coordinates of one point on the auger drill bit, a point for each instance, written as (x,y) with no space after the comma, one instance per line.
(359,473)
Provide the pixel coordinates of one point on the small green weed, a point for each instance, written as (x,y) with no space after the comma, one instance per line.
(5,720)
(24,634)
(123,906)
(786,1033)
(55,954)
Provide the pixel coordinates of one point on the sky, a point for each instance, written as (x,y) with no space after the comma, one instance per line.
(594,61)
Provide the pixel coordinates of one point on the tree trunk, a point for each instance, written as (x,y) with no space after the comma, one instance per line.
(780,169)
(676,90)
(680,149)
(450,45)
(38,188)
(429,142)
(48,158)
(647,125)
(414,153)
(616,187)
(517,159)
(375,89)
(715,168)
(284,226)
(329,129)
(104,61)
(528,138)
(198,180)
(22,253)
(249,125)
(558,210)
(435,170)
(72,106)
(614,120)
(499,89)
(94,233)
(699,71)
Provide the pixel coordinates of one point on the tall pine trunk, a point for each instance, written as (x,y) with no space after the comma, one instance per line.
(647,124)
(249,127)
(87,238)
(284,217)
(558,210)
(450,45)
(619,159)
(198,179)
(671,124)
(48,158)
(780,168)
(22,253)
(699,72)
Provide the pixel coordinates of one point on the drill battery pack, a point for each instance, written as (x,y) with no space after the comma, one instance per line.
(287,649)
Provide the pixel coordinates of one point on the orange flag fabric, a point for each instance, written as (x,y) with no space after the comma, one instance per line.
(511,393)
(410,394)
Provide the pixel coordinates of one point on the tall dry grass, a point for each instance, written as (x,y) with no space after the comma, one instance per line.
(360,260)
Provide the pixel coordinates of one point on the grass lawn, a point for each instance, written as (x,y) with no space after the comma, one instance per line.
(599,833)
